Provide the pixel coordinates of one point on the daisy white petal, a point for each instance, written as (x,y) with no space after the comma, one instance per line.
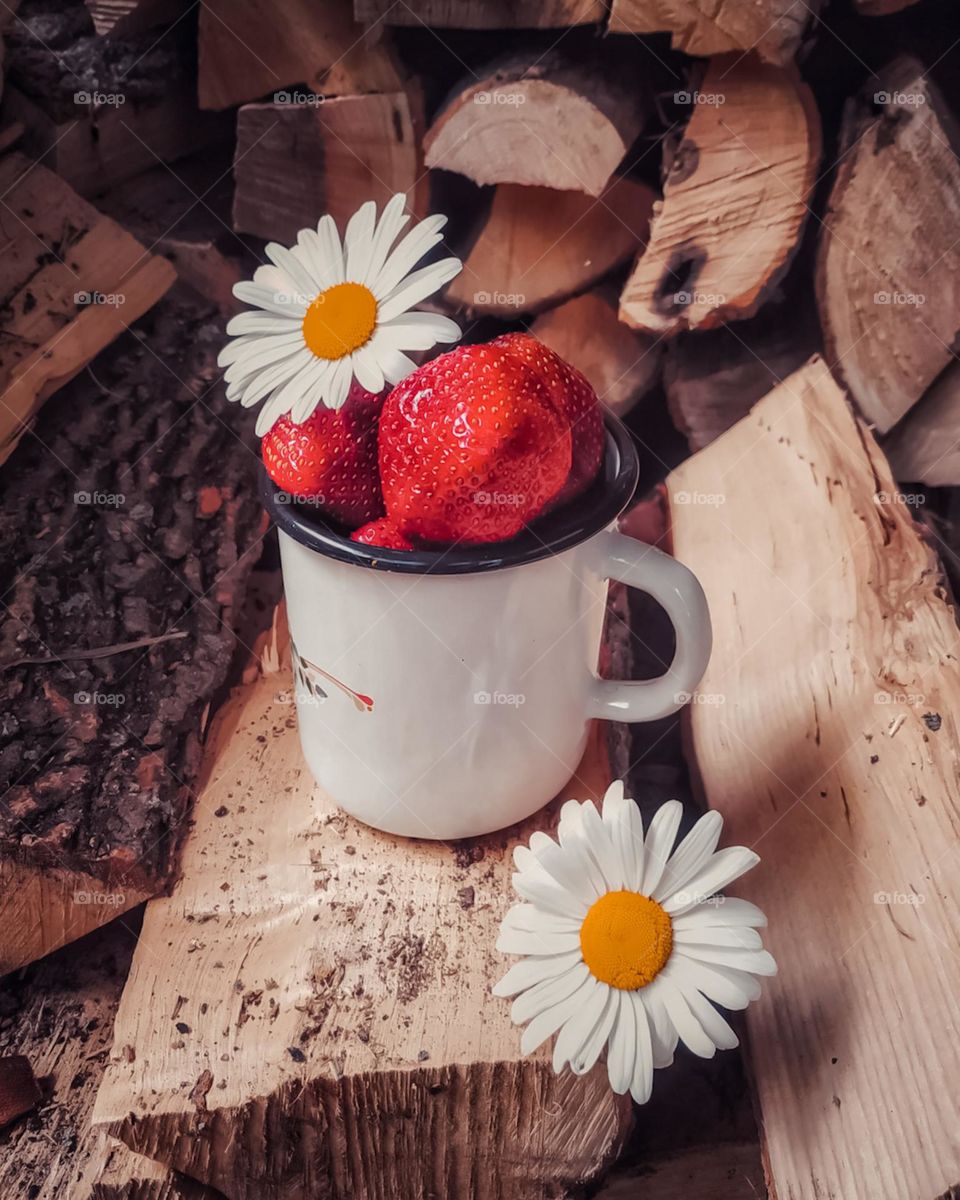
(422,238)
(523,941)
(757,962)
(661,835)
(714,1025)
(547,1023)
(249,348)
(616,821)
(263,355)
(741,937)
(419,286)
(368,370)
(688,1028)
(563,868)
(330,251)
(585,1061)
(358,240)
(396,366)
(389,227)
(691,855)
(598,844)
(546,994)
(255,387)
(290,264)
(663,1035)
(528,916)
(641,1082)
(339,384)
(279,302)
(721,869)
(572,1038)
(572,837)
(269,413)
(307,253)
(274,279)
(542,891)
(731,910)
(539,839)
(733,989)
(621,1052)
(261,323)
(311,391)
(531,971)
(421,330)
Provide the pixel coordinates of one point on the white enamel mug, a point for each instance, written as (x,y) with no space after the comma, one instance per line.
(448,693)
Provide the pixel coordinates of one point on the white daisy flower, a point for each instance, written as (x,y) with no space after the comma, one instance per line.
(626,944)
(330,313)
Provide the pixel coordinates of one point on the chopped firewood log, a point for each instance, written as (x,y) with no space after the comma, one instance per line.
(621,364)
(482,14)
(827,738)
(247,51)
(100,110)
(293,979)
(888,284)
(119,17)
(117,627)
(297,161)
(123,1175)
(773,28)
(925,446)
(543,120)
(734,200)
(714,378)
(724,1171)
(19,1090)
(72,281)
(180,215)
(537,247)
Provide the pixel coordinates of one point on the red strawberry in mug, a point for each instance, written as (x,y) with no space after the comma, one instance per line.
(472,447)
(331,458)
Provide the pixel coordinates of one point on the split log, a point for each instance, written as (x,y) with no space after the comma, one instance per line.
(621,364)
(178,214)
(100,110)
(291,984)
(724,1171)
(714,378)
(296,161)
(247,51)
(541,120)
(734,200)
(827,738)
(925,446)
(71,279)
(888,284)
(128,525)
(537,247)
(19,1090)
(120,17)
(482,14)
(773,28)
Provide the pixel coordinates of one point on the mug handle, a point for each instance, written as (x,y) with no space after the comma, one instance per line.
(678,590)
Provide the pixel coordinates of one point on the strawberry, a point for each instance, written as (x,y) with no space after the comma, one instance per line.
(577,402)
(382,533)
(331,458)
(472,447)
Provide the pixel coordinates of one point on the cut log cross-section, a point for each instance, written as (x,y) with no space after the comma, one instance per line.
(734,201)
(70,287)
(703,27)
(888,287)
(291,984)
(295,161)
(542,121)
(537,246)
(482,14)
(830,746)
(925,446)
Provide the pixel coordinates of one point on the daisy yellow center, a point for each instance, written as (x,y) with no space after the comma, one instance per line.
(340,320)
(626,940)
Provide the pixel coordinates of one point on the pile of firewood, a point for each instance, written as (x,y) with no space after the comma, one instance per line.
(688,201)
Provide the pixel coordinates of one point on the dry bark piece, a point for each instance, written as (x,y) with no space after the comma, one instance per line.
(540,120)
(482,14)
(713,378)
(309,956)
(19,1090)
(102,542)
(100,110)
(69,288)
(296,161)
(734,201)
(888,286)
(773,28)
(247,50)
(537,247)
(622,365)
(833,752)
(925,446)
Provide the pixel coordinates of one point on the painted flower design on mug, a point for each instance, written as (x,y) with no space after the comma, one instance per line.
(307,676)
(627,942)
(328,312)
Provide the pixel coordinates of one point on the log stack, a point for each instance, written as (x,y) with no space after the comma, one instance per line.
(689,201)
